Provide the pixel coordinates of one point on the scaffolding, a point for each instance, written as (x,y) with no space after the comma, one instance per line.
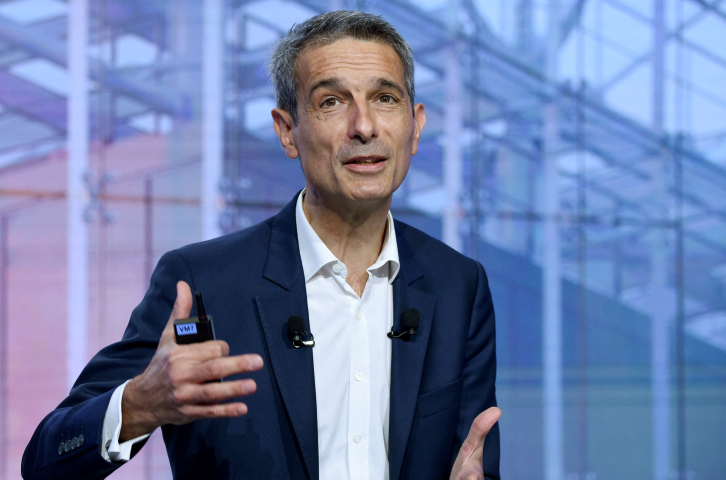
(585,138)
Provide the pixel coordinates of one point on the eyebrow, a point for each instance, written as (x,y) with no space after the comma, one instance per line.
(335,83)
(324,83)
(388,84)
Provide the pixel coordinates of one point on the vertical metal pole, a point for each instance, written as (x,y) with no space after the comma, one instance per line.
(660,325)
(680,316)
(525,25)
(551,274)
(582,318)
(4,344)
(453,126)
(77,197)
(504,20)
(212,116)
(682,113)
(475,159)
(148,227)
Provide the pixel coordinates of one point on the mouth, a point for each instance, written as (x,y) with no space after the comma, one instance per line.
(364,160)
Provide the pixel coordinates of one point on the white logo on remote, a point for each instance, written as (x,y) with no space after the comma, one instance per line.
(186,329)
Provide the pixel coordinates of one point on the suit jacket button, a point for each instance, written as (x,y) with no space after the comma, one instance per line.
(80,440)
(67,446)
(61,448)
(74,443)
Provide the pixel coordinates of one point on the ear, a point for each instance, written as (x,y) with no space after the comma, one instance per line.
(282,121)
(419,121)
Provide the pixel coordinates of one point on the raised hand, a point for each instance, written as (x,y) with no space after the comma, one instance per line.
(468,462)
(173,388)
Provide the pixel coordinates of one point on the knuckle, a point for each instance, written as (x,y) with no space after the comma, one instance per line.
(178,397)
(186,414)
(207,394)
(213,411)
(176,378)
(174,356)
(247,363)
(217,349)
(213,370)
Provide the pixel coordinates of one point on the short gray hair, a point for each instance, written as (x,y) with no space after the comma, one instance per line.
(325,29)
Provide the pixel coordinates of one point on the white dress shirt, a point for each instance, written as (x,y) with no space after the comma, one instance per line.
(351,357)
(351,360)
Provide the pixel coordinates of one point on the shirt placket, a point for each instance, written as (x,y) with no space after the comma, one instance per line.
(359,398)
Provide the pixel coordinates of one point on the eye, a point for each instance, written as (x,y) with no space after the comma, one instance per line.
(386,98)
(330,102)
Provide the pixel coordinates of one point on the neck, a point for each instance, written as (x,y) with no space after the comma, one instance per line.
(354,235)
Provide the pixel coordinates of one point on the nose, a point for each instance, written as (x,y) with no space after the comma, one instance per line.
(362,123)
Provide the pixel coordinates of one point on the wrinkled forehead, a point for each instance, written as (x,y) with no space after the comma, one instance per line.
(349,60)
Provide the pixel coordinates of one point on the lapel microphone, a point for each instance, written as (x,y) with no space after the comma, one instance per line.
(410,320)
(296,332)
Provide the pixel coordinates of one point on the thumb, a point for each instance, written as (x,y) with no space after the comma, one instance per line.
(468,461)
(481,426)
(182,308)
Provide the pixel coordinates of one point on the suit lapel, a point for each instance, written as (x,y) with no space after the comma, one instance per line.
(407,358)
(293,368)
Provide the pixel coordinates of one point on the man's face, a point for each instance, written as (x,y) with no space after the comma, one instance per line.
(356,128)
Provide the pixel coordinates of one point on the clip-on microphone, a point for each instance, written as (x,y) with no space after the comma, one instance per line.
(410,321)
(296,332)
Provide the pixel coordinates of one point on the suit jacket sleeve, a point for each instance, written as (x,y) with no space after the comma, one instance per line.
(83,411)
(480,371)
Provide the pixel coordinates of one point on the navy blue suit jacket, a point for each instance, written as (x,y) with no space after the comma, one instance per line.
(252,282)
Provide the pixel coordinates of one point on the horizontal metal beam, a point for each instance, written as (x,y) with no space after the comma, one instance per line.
(157,98)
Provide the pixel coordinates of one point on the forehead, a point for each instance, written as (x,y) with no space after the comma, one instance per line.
(349,60)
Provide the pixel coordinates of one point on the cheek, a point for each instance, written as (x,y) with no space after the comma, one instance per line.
(402,167)
(318,138)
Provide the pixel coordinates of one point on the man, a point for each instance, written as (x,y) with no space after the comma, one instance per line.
(356,405)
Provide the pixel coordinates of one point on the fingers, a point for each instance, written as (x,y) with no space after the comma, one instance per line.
(211,394)
(201,352)
(215,411)
(182,308)
(226,366)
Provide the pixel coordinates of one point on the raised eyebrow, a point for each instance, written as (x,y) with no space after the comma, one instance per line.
(332,83)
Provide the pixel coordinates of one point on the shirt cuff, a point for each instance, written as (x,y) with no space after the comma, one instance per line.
(111,450)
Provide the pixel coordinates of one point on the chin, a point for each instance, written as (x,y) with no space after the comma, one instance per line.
(370,192)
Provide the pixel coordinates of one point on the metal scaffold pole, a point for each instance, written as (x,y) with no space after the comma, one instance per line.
(453,125)
(659,312)
(551,271)
(212,117)
(77,340)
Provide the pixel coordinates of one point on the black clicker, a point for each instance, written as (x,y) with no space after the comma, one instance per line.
(195,329)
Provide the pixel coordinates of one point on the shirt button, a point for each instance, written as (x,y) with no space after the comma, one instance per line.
(337,268)
(359,316)
(359,376)
(357,437)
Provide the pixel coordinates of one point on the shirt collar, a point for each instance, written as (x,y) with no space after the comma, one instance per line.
(316,255)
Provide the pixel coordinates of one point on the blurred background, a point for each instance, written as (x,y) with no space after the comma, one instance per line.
(576,148)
